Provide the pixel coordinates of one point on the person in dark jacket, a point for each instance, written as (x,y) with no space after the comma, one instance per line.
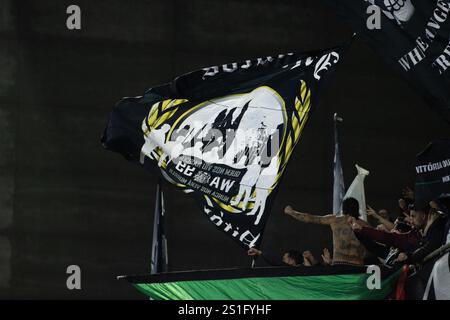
(386,245)
(399,237)
(412,247)
(433,235)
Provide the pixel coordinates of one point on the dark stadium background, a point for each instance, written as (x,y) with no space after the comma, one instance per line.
(64,200)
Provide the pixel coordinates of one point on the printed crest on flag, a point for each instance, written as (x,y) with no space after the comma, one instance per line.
(224,133)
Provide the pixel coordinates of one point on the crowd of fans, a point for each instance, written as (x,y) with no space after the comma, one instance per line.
(390,239)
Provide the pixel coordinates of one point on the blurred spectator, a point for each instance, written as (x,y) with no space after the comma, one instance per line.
(413,246)
(405,207)
(405,203)
(401,225)
(408,193)
(308,259)
(387,245)
(327,259)
(291,258)
(431,223)
(382,217)
(383,213)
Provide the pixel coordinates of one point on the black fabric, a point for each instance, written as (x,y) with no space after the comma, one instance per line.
(416,45)
(186,129)
(273,260)
(433,173)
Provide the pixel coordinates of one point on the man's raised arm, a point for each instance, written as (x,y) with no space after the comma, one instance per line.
(310,218)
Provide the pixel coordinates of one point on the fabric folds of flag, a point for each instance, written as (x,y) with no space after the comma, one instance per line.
(413,36)
(225,133)
(356,190)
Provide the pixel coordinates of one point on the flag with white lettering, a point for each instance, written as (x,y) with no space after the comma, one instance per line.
(432,173)
(413,36)
(224,133)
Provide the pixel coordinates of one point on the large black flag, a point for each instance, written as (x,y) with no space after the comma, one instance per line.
(224,133)
(433,173)
(413,37)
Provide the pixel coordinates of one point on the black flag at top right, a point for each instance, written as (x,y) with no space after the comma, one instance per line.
(432,173)
(413,36)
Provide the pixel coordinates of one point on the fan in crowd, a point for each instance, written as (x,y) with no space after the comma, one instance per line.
(408,239)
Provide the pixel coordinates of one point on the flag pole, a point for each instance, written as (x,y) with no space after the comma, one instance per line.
(159,257)
(338,176)
(162,229)
(154,261)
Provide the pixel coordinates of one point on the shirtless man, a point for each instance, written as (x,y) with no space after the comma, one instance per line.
(346,247)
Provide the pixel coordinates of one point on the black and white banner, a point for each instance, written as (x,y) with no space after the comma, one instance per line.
(224,133)
(433,172)
(413,36)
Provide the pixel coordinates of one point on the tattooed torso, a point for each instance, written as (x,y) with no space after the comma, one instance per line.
(346,247)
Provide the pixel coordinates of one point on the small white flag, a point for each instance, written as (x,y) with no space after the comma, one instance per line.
(356,190)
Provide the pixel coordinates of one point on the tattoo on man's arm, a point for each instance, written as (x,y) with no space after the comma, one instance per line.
(310,218)
(300,216)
